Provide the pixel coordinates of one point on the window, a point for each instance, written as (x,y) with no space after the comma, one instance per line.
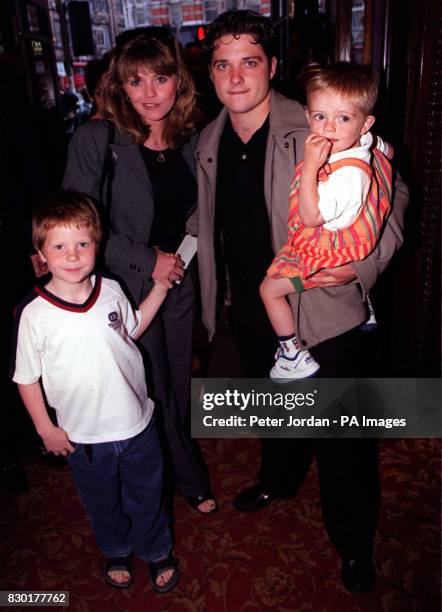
(253,5)
(56,29)
(101,6)
(101,37)
(358,31)
(210,10)
(141,16)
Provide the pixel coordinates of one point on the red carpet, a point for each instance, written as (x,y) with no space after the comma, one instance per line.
(278,559)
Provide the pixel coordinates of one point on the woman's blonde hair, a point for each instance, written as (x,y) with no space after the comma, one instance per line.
(154,49)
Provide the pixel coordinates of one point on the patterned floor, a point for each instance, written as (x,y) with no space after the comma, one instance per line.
(278,559)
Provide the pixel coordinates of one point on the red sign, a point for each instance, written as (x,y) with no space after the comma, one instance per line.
(78,80)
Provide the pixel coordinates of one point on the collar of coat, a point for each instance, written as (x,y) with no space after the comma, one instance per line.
(286,116)
(127,140)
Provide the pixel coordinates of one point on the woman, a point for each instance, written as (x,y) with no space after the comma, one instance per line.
(140,165)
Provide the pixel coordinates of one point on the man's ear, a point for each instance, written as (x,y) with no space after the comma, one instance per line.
(41,256)
(273,66)
(367,124)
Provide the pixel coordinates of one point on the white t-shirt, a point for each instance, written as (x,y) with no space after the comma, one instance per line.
(91,371)
(342,196)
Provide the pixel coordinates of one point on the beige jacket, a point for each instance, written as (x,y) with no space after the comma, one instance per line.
(319,313)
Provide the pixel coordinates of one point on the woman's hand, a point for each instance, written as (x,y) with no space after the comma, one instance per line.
(168,267)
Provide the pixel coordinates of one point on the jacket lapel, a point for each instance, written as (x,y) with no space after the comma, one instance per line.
(127,155)
(206,151)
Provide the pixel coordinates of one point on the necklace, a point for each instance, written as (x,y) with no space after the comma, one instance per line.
(154,155)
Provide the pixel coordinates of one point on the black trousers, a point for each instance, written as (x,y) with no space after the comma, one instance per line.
(168,355)
(348,469)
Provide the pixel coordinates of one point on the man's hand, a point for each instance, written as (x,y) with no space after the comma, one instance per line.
(168,267)
(56,441)
(331,277)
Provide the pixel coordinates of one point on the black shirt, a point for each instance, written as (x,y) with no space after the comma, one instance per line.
(174,193)
(242,224)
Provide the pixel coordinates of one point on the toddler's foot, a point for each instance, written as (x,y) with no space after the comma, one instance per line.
(289,367)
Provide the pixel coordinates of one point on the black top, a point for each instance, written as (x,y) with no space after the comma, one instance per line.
(241,218)
(174,194)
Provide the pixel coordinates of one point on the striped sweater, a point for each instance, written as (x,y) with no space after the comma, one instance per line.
(310,249)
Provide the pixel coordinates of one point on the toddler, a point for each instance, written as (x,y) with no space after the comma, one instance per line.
(339,200)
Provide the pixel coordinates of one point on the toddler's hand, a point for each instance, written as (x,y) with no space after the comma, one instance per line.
(389,150)
(56,441)
(316,151)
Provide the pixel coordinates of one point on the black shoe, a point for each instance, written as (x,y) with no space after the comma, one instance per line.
(255,498)
(358,574)
(252,499)
(13,478)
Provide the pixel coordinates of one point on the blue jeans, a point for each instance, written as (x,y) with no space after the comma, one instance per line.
(120,485)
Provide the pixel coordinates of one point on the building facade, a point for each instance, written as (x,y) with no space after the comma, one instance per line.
(110,17)
(184,16)
(27,50)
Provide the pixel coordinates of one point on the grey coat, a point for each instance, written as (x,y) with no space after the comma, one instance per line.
(320,313)
(127,253)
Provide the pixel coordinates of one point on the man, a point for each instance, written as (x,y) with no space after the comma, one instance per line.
(246,158)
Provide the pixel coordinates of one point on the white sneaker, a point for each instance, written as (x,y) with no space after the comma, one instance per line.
(371,323)
(287,369)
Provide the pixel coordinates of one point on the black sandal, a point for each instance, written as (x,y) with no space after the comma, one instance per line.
(194,502)
(119,564)
(156,568)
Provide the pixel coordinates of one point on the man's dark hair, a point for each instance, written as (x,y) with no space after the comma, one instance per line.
(237,23)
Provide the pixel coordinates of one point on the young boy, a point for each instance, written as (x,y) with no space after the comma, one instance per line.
(339,200)
(74,337)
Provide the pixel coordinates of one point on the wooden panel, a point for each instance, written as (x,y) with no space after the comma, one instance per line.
(411,86)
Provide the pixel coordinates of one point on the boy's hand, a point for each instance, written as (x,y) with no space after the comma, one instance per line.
(316,151)
(56,441)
